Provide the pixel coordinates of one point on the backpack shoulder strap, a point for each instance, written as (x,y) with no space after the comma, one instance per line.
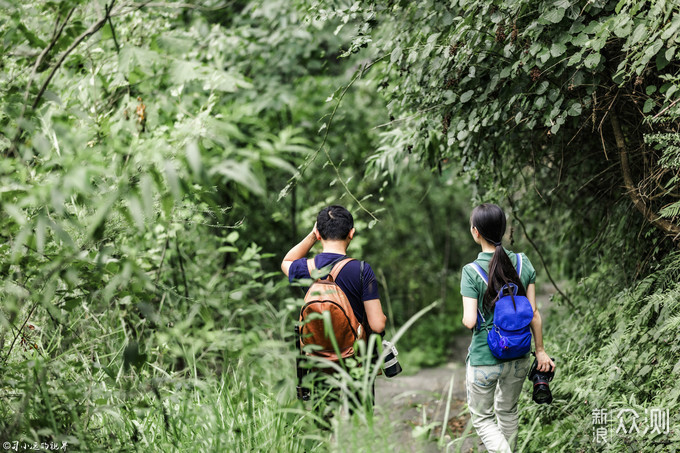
(338,267)
(519,265)
(480,271)
(361,278)
(311,265)
(480,317)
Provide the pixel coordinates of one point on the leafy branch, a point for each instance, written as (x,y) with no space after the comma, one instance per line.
(293,181)
(59,27)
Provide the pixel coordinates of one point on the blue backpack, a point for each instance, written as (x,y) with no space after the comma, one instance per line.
(509,337)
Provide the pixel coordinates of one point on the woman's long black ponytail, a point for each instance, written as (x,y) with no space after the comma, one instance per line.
(489,219)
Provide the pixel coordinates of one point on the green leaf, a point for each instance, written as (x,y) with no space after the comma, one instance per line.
(649,105)
(553,15)
(173,180)
(239,172)
(396,55)
(653,49)
(40,227)
(146,192)
(133,58)
(31,37)
(433,38)
(624,27)
(576,58)
(592,60)
(644,371)
(136,211)
(557,49)
(71,303)
(639,34)
(672,28)
(620,5)
(544,55)
(194,157)
(575,109)
(676,368)
(466,96)
(279,163)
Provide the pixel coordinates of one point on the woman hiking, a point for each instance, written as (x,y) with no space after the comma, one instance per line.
(494,385)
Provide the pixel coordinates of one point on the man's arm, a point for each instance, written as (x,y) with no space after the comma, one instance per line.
(299,251)
(375,316)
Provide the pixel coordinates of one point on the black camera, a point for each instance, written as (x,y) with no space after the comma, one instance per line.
(540,379)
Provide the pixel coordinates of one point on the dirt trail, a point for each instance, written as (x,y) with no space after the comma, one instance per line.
(416,404)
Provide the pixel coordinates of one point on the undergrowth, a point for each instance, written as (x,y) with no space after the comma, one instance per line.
(620,353)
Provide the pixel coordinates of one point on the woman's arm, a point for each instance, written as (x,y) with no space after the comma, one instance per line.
(544,361)
(469,312)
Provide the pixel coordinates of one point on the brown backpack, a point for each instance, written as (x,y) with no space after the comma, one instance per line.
(326,295)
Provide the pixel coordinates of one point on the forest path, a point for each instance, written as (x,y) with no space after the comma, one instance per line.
(416,404)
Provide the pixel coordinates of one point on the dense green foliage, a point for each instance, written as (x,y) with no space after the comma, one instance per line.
(566,113)
(145,149)
(160,158)
(625,357)
(524,95)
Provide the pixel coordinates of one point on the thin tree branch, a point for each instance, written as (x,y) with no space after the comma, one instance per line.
(160,266)
(113,35)
(87,33)
(359,73)
(19,330)
(349,192)
(90,31)
(181,268)
(56,34)
(540,255)
(58,29)
(406,118)
(662,224)
(181,5)
(664,110)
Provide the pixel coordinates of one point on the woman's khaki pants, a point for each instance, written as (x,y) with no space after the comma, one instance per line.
(494,390)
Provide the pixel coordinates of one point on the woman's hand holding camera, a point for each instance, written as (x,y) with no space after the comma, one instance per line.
(545,363)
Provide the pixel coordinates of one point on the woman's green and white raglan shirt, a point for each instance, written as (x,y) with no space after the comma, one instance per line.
(472,285)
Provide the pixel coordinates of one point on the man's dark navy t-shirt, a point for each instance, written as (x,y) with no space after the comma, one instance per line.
(348,280)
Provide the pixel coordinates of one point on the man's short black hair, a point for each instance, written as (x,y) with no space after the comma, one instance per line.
(334,223)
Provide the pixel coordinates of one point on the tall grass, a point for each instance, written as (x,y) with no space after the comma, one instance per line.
(184,374)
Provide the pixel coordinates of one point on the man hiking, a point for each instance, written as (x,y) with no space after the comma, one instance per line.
(335,229)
